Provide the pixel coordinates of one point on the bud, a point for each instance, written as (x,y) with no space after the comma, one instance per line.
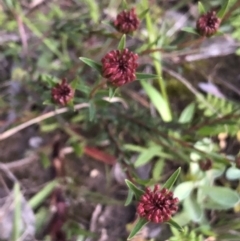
(127,21)
(157,206)
(205,165)
(62,93)
(119,67)
(208,24)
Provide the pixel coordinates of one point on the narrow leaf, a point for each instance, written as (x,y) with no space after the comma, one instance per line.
(124,4)
(139,225)
(159,103)
(92,64)
(137,192)
(16,233)
(201,8)
(174,224)
(224,8)
(172,179)
(190,30)
(187,114)
(36,200)
(122,43)
(129,197)
(112,91)
(143,14)
(141,76)
(92,111)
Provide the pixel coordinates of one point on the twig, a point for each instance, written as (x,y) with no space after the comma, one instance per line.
(10,175)
(38,119)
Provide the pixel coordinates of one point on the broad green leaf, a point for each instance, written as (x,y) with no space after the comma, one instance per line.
(187,114)
(190,30)
(143,14)
(122,42)
(212,205)
(221,195)
(172,179)
(142,76)
(183,190)
(147,155)
(174,224)
(36,200)
(201,8)
(193,208)
(158,101)
(223,9)
(137,192)
(139,225)
(16,232)
(92,64)
(129,197)
(233,173)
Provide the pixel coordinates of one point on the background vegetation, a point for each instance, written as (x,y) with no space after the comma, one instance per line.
(63,168)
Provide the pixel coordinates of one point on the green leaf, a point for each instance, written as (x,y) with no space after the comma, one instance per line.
(92,111)
(112,91)
(143,14)
(172,179)
(122,43)
(224,8)
(187,114)
(183,190)
(147,156)
(36,200)
(139,225)
(158,101)
(193,208)
(92,64)
(16,233)
(190,30)
(221,195)
(129,197)
(142,76)
(137,192)
(174,224)
(201,8)
(124,4)
(158,169)
(74,83)
(233,173)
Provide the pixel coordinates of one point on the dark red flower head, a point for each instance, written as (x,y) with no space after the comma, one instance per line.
(157,206)
(119,66)
(62,93)
(127,21)
(208,24)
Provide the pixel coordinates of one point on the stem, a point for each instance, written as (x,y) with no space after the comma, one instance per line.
(156,56)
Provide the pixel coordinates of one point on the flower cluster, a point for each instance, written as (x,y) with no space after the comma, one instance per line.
(127,21)
(119,66)
(158,205)
(62,93)
(208,24)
